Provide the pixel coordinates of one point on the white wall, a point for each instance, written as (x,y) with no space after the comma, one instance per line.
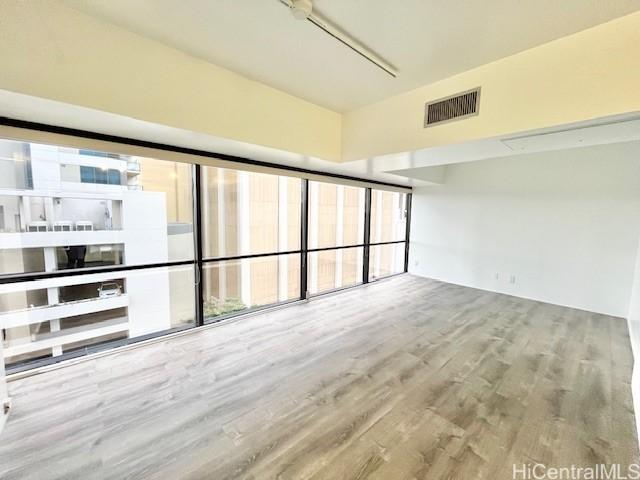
(633,322)
(144,227)
(149,301)
(565,224)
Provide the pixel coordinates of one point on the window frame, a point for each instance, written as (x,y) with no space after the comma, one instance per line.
(199,261)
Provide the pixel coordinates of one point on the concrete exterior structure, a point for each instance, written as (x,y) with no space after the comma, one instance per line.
(63,208)
(53,218)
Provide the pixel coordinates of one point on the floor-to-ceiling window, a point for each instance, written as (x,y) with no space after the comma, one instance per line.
(388,233)
(251,240)
(335,236)
(74,223)
(99,249)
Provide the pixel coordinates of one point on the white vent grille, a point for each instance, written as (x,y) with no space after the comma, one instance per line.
(454,107)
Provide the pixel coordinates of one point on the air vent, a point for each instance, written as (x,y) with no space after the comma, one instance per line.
(454,107)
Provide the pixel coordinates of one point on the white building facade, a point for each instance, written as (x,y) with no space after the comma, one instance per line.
(65,209)
(65,213)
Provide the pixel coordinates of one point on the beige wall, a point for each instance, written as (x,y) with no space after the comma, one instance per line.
(263,198)
(326,236)
(591,74)
(173,179)
(52,51)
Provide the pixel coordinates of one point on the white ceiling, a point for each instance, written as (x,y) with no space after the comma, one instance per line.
(427,164)
(427,40)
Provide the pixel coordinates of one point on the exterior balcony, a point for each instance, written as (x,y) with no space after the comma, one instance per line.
(52,340)
(46,313)
(88,158)
(56,339)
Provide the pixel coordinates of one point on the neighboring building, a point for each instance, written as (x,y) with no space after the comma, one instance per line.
(65,208)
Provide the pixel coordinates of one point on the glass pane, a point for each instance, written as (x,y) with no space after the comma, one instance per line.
(386,260)
(15,165)
(332,269)
(235,285)
(336,215)
(50,317)
(53,258)
(247,213)
(68,208)
(167,187)
(21,260)
(81,256)
(388,216)
(24,212)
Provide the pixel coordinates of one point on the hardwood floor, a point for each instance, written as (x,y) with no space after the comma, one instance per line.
(404,379)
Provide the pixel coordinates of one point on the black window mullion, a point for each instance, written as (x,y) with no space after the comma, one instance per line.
(338,247)
(304,224)
(367,235)
(199,260)
(250,255)
(406,245)
(74,132)
(390,242)
(73,272)
(197,215)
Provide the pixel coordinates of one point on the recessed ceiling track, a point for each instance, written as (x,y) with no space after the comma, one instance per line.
(303,10)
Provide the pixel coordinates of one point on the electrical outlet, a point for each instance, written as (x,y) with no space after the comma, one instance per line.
(512,279)
(497,276)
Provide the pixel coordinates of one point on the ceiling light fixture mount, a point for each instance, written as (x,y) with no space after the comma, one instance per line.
(303,10)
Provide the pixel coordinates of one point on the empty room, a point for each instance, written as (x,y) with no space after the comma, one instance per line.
(319,239)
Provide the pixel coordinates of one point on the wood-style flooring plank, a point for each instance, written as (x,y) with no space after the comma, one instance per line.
(407,378)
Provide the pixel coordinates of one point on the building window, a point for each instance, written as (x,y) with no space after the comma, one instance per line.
(232,286)
(100,175)
(15,165)
(388,233)
(334,269)
(48,319)
(388,216)
(336,219)
(336,215)
(254,216)
(86,267)
(60,227)
(385,260)
(248,213)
